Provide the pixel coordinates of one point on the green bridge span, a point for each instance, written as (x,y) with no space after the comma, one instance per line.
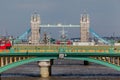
(10,60)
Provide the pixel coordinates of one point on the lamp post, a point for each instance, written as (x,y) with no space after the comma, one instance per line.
(112,45)
(49,39)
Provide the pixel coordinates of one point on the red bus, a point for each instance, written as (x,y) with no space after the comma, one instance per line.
(5,44)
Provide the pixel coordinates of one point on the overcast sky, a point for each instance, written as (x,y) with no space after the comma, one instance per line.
(104,15)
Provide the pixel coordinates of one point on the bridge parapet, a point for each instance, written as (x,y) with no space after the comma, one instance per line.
(102,49)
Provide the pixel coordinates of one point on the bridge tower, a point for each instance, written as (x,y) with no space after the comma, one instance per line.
(35,29)
(84,27)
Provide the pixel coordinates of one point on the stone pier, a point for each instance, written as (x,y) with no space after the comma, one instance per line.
(45,68)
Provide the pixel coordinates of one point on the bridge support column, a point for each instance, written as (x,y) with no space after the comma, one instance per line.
(6,60)
(45,69)
(10,59)
(15,59)
(2,61)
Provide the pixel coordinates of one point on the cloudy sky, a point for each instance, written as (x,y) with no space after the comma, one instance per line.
(104,15)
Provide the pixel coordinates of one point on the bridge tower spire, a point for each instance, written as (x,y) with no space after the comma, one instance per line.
(35,29)
(84,27)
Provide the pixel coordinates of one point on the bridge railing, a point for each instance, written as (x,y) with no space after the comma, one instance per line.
(67,49)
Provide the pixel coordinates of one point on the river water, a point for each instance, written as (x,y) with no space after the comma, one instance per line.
(62,70)
(60,78)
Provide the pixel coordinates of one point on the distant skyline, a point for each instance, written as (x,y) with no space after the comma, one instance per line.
(104,15)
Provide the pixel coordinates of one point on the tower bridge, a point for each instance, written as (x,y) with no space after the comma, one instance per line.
(35,29)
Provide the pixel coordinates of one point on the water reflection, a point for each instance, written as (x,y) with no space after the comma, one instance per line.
(45,78)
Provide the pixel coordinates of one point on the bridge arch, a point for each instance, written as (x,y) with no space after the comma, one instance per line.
(21,62)
(15,64)
(113,66)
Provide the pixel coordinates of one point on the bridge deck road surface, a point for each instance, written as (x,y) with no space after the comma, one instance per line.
(64,68)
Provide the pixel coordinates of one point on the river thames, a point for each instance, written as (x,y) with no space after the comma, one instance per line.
(63,70)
